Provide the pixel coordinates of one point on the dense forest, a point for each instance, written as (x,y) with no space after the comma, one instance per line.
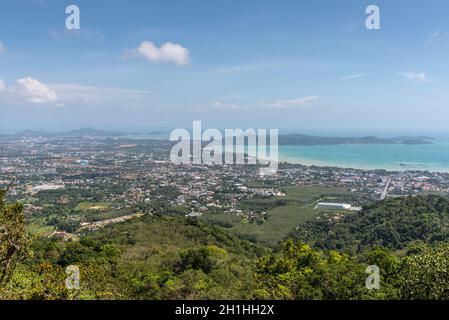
(169,257)
(394,224)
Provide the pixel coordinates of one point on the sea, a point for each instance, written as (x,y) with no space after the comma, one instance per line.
(392,157)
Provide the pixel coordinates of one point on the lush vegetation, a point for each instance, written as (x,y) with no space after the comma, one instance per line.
(278,224)
(155,257)
(283,214)
(170,257)
(393,223)
(301,272)
(14,241)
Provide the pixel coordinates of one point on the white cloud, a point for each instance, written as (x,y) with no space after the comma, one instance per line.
(226,106)
(353,76)
(300,102)
(416,76)
(2,47)
(279,104)
(168,52)
(434,34)
(259,66)
(32,91)
(231,70)
(91,95)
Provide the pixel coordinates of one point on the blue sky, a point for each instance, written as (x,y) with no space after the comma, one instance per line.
(261,64)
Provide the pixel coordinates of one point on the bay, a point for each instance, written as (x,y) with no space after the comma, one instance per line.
(395,157)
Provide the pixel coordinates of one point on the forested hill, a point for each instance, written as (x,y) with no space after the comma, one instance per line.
(152,257)
(162,257)
(393,223)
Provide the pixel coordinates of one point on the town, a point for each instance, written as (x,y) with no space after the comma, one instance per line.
(73,185)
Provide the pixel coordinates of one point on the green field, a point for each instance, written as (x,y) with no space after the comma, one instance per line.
(95,215)
(85,206)
(310,194)
(297,209)
(281,221)
(39,230)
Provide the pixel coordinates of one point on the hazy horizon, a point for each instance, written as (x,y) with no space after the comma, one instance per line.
(315,132)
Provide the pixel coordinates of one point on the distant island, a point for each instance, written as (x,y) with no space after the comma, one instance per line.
(156,132)
(84,132)
(302,139)
(289,139)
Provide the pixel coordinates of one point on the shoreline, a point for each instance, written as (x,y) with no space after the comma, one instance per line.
(390,168)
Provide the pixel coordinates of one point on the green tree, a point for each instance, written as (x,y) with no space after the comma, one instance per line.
(425,276)
(302,273)
(15,243)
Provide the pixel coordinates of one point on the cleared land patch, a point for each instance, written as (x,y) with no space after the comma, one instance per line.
(284,214)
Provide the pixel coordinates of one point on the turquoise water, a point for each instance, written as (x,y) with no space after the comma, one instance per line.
(432,157)
(394,157)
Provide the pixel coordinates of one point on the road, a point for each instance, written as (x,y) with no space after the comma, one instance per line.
(384,193)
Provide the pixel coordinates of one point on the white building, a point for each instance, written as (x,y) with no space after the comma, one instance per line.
(46,187)
(333,206)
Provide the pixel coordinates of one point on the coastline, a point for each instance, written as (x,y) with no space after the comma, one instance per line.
(394,163)
(390,168)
